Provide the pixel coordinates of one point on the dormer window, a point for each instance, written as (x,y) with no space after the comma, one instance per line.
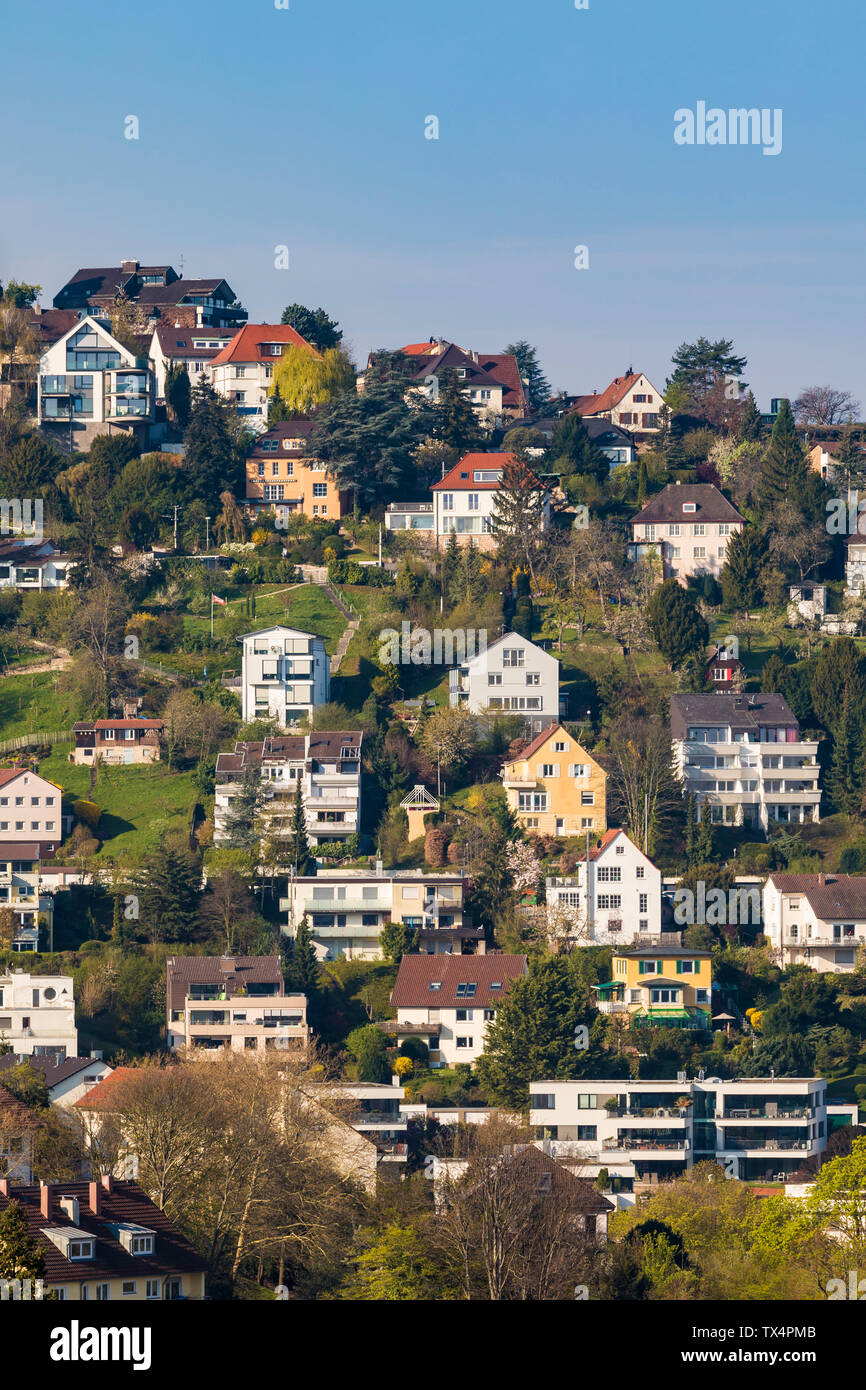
(690,506)
(79,1250)
(137,1240)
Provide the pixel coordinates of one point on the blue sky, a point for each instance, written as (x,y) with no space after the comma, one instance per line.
(261,127)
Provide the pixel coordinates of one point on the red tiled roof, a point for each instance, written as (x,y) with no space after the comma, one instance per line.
(607,839)
(246,345)
(503,365)
(412,988)
(101,1096)
(607,399)
(460,479)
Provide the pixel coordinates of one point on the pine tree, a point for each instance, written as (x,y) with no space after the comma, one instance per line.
(784,471)
(456,421)
(574,452)
(471,580)
(20,1257)
(300,845)
(741,571)
(843,780)
(704,838)
(451,568)
(677,626)
(751,426)
(302,968)
(211,463)
(641,483)
(535,383)
(178,394)
(277,408)
(169,885)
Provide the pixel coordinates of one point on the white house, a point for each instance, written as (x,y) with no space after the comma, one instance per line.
(23,889)
(817,920)
(37,1014)
(615,897)
(67,1081)
(688,526)
(513,675)
(178,345)
(464,501)
(31,809)
(630,401)
(285,674)
(328,766)
(744,760)
(243,371)
(757,1128)
(33,564)
(232,1003)
(89,384)
(448,1001)
(346,910)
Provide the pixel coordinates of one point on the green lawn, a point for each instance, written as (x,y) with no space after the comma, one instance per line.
(31,703)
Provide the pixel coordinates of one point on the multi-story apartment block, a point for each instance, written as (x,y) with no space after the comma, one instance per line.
(37,1014)
(327,764)
(614,897)
(31,809)
(157,290)
(630,401)
(511,675)
(243,371)
(374,1110)
(117,741)
(90,384)
(33,564)
(744,760)
(757,1128)
(688,527)
(192,349)
(449,1001)
(285,674)
(282,475)
(106,1240)
(817,920)
(236,1003)
(346,910)
(659,986)
(555,787)
(23,889)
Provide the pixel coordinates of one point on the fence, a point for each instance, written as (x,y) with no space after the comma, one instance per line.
(40,740)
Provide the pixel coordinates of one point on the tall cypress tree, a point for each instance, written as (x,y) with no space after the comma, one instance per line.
(751,426)
(784,471)
(741,571)
(843,780)
(300,845)
(451,563)
(302,968)
(641,482)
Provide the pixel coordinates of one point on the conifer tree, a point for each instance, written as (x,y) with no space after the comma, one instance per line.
(843,780)
(641,482)
(741,571)
(456,421)
(211,461)
(574,452)
(300,845)
(784,471)
(751,426)
(302,968)
(451,568)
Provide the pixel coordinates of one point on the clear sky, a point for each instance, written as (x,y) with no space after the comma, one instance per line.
(304,127)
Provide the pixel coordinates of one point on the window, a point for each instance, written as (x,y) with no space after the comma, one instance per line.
(578,769)
(151,1288)
(608,901)
(80,1250)
(473,501)
(560,748)
(141,1245)
(587,798)
(690,506)
(643,902)
(674,529)
(466,991)
(533,678)
(587,1132)
(465,1042)
(448,501)
(513,656)
(700,552)
(464,1015)
(129,1286)
(587,1102)
(550,769)
(545,1100)
(610,874)
(700,529)
(494,678)
(320,489)
(639,871)
(435,984)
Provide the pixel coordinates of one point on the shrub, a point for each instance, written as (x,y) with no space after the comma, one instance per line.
(88,812)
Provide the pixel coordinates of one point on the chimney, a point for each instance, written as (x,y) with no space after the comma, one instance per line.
(129,267)
(4,1187)
(108,1182)
(822,880)
(70,1208)
(94,1197)
(45,1199)
(395,1079)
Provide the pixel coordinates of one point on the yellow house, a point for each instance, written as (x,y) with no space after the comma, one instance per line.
(660,985)
(555,787)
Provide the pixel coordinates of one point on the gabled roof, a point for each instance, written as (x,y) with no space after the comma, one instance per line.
(54,1072)
(543,737)
(8,774)
(514,639)
(461,478)
(418,976)
(247,344)
(709,504)
(594,404)
(837,896)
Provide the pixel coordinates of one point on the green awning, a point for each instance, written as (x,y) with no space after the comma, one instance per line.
(666,1013)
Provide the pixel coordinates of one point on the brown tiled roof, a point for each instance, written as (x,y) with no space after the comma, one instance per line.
(607,399)
(537,742)
(178,342)
(839,895)
(235,973)
(607,839)
(326,745)
(412,988)
(54,1072)
(246,345)
(26,849)
(667,505)
(173,1253)
(503,366)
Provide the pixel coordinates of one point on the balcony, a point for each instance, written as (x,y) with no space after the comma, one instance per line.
(658,1145)
(523,782)
(803,1113)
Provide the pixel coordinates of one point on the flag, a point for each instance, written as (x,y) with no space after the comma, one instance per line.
(215,598)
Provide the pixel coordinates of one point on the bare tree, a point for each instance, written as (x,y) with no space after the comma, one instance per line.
(824,405)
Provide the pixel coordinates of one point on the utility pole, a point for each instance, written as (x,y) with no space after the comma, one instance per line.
(206,534)
(175,529)
(380,545)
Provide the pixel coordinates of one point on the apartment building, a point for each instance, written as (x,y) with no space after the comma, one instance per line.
(328,766)
(554,787)
(659,986)
(192,350)
(757,1128)
(346,910)
(817,920)
(158,290)
(106,1241)
(117,741)
(449,1001)
(744,760)
(31,809)
(23,889)
(285,674)
(236,1003)
(511,675)
(613,898)
(688,527)
(374,1110)
(282,475)
(32,564)
(37,1015)
(243,371)
(90,384)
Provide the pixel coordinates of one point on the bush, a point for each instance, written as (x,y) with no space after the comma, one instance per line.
(88,812)
(338,849)
(417,1050)
(431,1093)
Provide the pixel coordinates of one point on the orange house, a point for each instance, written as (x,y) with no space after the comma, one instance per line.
(280,474)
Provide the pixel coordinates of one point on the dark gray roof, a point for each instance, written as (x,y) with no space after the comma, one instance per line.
(667,505)
(54,1072)
(731,710)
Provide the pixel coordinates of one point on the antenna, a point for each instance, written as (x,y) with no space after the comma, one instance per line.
(180,263)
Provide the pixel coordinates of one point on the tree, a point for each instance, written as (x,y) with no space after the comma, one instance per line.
(230,523)
(741,572)
(457,423)
(9,926)
(21,1257)
(839,673)
(227,906)
(572,450)
(211,459)
(99,625)
(517,518)
(795,541)
(169,882)
(367,440)
(396,940)
(369,1047)
(535,383)
(676,623)
(533,1032)
(20,295)
(750,426)
(308,379)
(178,394)
(128,322)
(302,973)
(450,736)
(299,844)
(397,1267)
(698,366)
(643,787)
(825,405)
(317,327)
(784,470)
(242,823)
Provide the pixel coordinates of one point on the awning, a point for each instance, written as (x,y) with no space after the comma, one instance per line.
(667,1013)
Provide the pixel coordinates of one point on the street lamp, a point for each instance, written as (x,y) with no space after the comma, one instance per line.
(206,534)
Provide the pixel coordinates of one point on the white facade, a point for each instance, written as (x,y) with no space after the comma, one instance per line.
(374,1110)
(817,920)
(855,565)
(328,767)
(513,676)
(624,901)
(26,564)
(286,673)
(240,1023)
(192,348)
(37,1015)
(89,382)
(755,1127)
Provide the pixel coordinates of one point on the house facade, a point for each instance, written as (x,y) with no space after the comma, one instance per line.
(491,381)
(449,1001)
(37,1015)
(117,741)
(90,384)
(67,1081)
(374,1110)
(31,809)
(285,674)
(744,760)
(23,889)
(347,909)
(511,675)
(817,920)
(464,501)
(614,897)
(174,345)
(243,371)
(328,766)
(157,290)
(659,986)
(855,562)
(281,475)
(554,787)
(688,527)
(630,401)
(235,1003)
(36,564)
